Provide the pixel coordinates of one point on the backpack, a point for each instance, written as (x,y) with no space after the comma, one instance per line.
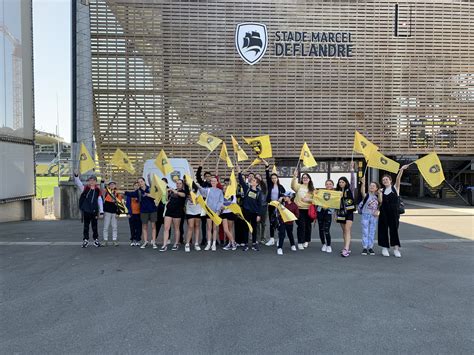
(361,205)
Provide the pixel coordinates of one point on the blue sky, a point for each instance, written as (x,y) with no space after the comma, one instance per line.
(52,65)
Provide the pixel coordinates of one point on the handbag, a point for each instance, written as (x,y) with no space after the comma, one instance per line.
(312,212)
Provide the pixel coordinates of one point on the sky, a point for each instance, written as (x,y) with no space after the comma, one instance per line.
(52,65)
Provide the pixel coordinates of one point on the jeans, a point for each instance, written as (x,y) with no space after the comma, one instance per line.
(304,227)
(288,229)
(369,226)
(135,224)
(110,218)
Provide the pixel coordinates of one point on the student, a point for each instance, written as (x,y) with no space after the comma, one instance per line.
(148,211)
(288,226)
(133,207)
(325,216)
(262,224)
(369,210)
(110,212)
(193,218)
(275,192)
(91,206)
(303,199)
(174,213)
(389,215)
(252,208)
(215,201)
(345,214)
(228,219)
(239,225)
(160,212)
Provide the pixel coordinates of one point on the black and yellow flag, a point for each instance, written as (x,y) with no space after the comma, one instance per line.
(85,160)
(307,157)
(208,141)
(379,161)
(162,162)
(231,189)
(362,145)
(261,145)
(285,213)
(235,209)
(431,169)
(120,160)
(327,198)
(212,215)
(224,155)
(158,189)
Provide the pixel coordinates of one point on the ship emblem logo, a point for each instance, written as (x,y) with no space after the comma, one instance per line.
(251,41)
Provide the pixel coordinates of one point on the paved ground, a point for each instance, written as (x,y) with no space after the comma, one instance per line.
(59,298)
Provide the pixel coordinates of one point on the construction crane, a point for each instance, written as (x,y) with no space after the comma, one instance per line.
(17,87)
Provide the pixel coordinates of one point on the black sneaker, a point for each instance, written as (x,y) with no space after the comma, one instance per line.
(255,247)
(371,251)
(96,243)
(85,243)
(364,251)
(245,248)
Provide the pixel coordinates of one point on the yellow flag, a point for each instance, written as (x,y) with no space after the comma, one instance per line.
(189,182)
(285,213)
(163,163)
(241,155)
(328,198)
(431,169)
(208,141)
(235,209)
(158,189)
(121,160)
(256,162)
(212,215)
(225,156)
(261,145)
(379,161)
(362,145)
(274,170)
(231,189)
(307,157)
(85,160)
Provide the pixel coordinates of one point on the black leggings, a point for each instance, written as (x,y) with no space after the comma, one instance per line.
(90,218)
(324,224)
(304,227)
(273,224)
(288,229)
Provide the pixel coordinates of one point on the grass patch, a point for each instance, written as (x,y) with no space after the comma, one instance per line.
(45,185)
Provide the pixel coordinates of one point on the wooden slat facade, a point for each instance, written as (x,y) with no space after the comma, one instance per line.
(164,71)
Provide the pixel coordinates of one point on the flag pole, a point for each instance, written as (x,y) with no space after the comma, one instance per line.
(207,156)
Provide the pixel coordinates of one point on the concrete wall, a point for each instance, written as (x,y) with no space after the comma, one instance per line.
(15,211)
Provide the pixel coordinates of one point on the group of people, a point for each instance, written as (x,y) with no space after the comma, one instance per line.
(379,209)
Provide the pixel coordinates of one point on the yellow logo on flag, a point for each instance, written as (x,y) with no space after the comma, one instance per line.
(378,161)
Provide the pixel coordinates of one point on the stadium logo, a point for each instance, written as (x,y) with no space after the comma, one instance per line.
(175,175)
(383,161)
(326,196)
(435,169)
(257,146)
(251,41)
(83,156)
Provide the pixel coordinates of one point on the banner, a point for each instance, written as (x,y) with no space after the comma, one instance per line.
(307,157)
(208,141)
(431,169)
(261,145)
(121,160)
(241,155)
(163,163)
(285,213)
(85,160)
(328,198)
(379,161)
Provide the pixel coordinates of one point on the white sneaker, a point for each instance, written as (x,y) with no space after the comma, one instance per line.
(305,244)
(293,247)
(280,251)
(397,254)
(270,242)
(187,248)
(324,248)
(300,246)
(328,249)
(214,248)
(208,246)
(143,246)
(385,252)
(154,245)
(197,247)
